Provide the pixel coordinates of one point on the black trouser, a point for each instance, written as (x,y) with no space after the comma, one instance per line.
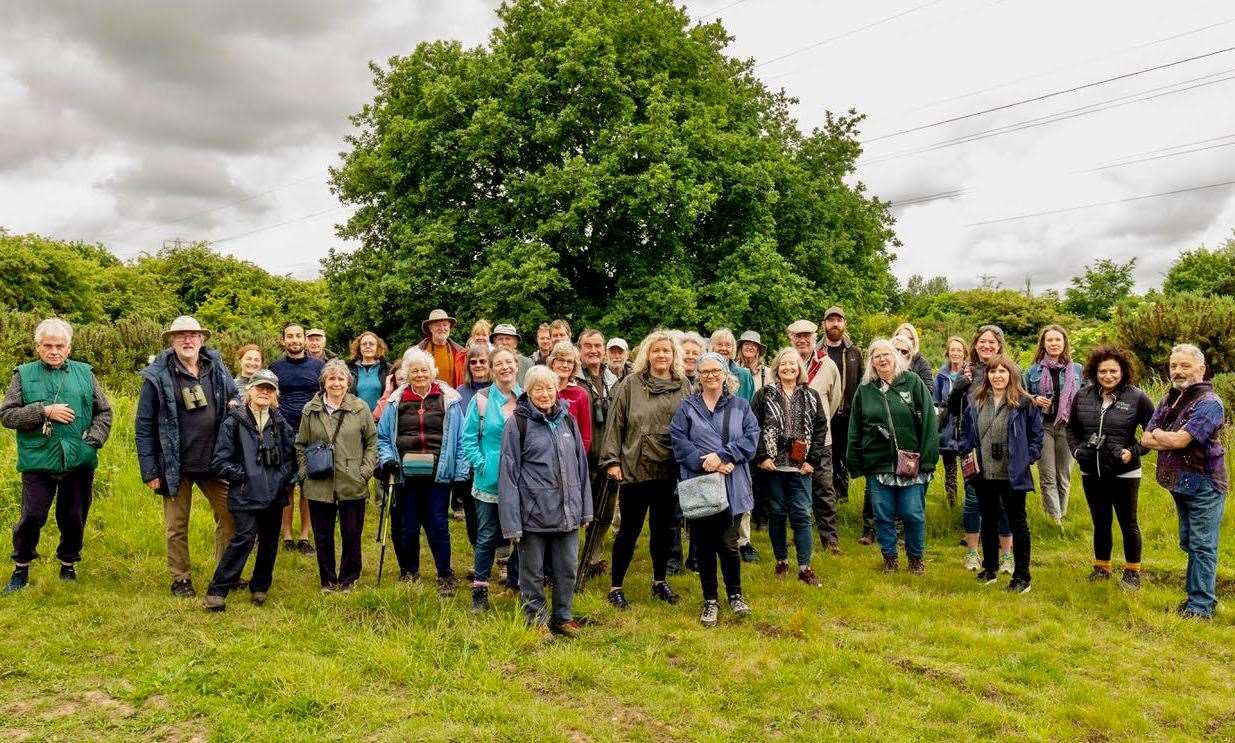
(1105,494)
(252,527)
(995,496)
(868,512)
(716,537)
(461,499)
(840,448)
(350,515)
(949,476)
(73,492)
(654,497)
(759,491)
(675,546)
(823,500)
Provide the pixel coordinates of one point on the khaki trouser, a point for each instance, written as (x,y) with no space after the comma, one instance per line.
(176,511)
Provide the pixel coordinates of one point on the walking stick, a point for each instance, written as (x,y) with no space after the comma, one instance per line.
(382,523)
(594,537)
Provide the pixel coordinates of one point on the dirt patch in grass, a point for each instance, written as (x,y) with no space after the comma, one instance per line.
(910,665)
(57,707)
(189,731)
(782,633)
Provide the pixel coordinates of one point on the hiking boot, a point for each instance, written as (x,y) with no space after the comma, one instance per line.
(183,588)
(782,568)
(916,566)
(304,548)
(330,588)
(1099,574)
(807,576)
(738,606)
(68,573)
(214,603)
(480,599)
(289,545)
(1131,580)
(20,579)
(662,591)
(710,613)
(618,598)
(748,553)
(406,577)
(987,577)
(832,546)
(891,564)
(1018,586)
(972,561)
(570,628)
(258,598)
(867,538)
(1006,563)
(446,585)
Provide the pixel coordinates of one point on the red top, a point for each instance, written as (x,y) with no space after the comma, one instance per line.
(580,405)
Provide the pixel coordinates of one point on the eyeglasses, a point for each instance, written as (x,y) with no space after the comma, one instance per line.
(477,362)
(710,373)
(906,354)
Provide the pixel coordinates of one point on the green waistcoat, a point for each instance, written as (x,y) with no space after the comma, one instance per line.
(63,450)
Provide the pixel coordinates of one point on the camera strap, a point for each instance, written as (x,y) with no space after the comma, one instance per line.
(982,432)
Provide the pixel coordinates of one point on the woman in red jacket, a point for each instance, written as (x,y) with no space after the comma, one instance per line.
(564,361)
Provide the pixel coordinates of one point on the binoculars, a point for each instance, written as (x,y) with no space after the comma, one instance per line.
(193,397)
(269,456)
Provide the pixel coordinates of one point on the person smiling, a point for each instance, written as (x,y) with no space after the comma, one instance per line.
(1054,380)
(368,367)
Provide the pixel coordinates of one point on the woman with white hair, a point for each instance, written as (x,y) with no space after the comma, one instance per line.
(894,443)
(418,446)
(693,346)
(636,452)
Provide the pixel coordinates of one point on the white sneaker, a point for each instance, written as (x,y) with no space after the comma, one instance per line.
(1006,564)
(972,562)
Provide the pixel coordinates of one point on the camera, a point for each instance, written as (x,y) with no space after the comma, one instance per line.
(1096,440)
(997,451)
(193,397)
(269,456)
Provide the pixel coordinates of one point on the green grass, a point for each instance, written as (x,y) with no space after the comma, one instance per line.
(865,657)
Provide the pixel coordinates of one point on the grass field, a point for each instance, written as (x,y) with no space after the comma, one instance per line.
(865,657)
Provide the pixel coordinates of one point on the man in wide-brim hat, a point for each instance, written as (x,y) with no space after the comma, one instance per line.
(506,336)
(450,357)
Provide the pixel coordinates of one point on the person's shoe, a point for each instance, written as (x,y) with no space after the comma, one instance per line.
(1186,613)
(987,577)
(183,589)
(543,633)
(480,599)
(891,564)
(471,576)
(807,576)
(1006,563)
(1018,586)
(832,546)
(330,588)
(289,544)
(258,598)
(214,603)
(406,577)
(347,587)
(782,568)
(68,573)
(916,566)
(1131,580)
(571,629)
(738,606)
(1099,574)
(617,597)
(304,547)
(662,591)
(748,553)
(867,539)
(446,585)
(20,579)
(710,614)
(972,561)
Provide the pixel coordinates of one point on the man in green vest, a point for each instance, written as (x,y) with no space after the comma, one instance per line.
(62,418)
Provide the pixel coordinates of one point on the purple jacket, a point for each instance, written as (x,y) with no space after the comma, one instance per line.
(695,432)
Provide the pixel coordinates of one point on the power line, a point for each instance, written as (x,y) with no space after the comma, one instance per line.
(1046,96)
(718,11)
(848,33)
(273,226)
(1160,157)
(1096,204)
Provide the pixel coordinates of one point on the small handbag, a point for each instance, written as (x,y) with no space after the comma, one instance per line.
(969,465)
(908,463)
(319,456)
(703,496)
(797,452)
(419,464)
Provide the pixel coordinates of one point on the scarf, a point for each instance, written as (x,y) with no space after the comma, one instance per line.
(787,418)
(657,386)
(1067,378)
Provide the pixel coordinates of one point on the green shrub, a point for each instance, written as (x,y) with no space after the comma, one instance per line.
(1151,328)
(1224,385)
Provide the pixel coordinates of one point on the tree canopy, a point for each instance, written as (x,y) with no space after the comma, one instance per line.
(603,161)
(1203,271)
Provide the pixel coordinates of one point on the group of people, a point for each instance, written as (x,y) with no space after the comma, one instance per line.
(717,435)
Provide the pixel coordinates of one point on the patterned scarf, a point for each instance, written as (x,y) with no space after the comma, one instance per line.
(1067,378)
(788,418)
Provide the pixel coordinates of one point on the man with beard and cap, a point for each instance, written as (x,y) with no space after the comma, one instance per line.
(848,359)
(617,354)
(299,376)
(823,377)
(1186,430)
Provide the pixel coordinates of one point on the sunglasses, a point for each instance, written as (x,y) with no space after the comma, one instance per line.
(478,362)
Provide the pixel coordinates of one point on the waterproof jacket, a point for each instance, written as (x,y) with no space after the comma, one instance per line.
(544,484)
(696,432)
(819,427)
(156,426)
(920,366)
(942,390)
(908,406)
(637,435)
(1024,441)
(355,448)
(460,359)
(451,465)
(481,440)
(1116,425)
(252,485)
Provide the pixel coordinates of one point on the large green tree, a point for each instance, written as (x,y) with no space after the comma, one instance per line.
(1104,284)
(1203,271)
(601,160)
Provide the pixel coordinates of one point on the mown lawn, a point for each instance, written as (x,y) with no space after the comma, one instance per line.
(865,657)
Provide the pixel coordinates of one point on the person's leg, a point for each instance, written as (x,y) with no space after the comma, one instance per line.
(702,534)
(324,516)
(1204,524)
(532,576)
(73,500)
(949,477)
(987,495)
(727,554)
(971,514)
(564,550)
(216,494)
(434,506)
(304,515)
(673,543)
(405,526)
(823,500)
(269,521)
(176,511)
(1014,506)
(1047,470)
(798,501)
(1125,503)
(488,537)
(868,512)
(288,512)
(662,508)
(1098,496)
(1063,467)
(911,510)
(351,530)
(777,514)
(840,446)
(469,510)
(883,503)
(235,554)
(37,492)
(633,508)
(744,529)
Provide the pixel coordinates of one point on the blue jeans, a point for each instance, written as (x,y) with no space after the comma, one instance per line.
(488,538)
(904,503)
(1200,517)
(789,494)
(971,514)
(421,502)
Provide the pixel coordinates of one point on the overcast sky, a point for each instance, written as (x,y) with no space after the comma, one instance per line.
(131,123)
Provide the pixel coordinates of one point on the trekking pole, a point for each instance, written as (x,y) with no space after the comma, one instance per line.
(382,523)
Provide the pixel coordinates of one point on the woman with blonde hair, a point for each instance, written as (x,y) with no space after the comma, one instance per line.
(953,367)
(917,362)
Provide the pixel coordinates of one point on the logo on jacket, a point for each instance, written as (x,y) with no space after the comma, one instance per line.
(905,396)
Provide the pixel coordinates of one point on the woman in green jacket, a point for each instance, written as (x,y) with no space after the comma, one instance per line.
(894,443)
(342,421)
